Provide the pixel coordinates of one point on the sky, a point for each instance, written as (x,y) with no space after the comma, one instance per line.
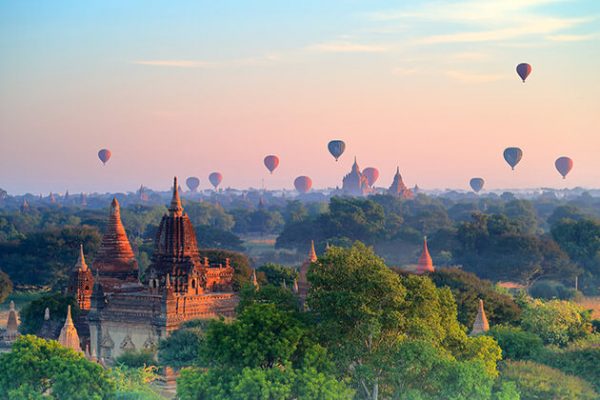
(190,87)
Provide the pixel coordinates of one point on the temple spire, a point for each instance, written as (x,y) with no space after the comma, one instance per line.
(254,280)
(47,314)
(312,255)
(68,334)
(425,262)
(81,265)
(295,286)
(175,208)
(481,324)
(12,324)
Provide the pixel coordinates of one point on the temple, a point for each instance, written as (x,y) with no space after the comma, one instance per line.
(126,314)
(425,263)
(398,188)
(355,183)
(481,324)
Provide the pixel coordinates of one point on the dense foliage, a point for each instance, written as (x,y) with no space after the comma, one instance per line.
(32,315)
(6,286)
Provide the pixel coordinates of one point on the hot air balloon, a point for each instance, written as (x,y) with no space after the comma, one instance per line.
(336,148)
(192,183)
(104,155)
(523,70)
(303,184)
(513,155)
(564,165)
(215,179)
(372,175)
(477,184)
(271,162)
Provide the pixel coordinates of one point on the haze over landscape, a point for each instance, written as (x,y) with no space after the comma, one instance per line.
(204,86)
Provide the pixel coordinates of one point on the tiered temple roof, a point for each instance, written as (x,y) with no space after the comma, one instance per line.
(115,260)
(481,324)
(425,263)
(398,188)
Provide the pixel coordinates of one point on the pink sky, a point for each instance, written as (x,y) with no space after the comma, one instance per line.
(442,112)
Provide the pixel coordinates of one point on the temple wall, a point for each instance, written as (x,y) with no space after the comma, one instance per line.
(123,336)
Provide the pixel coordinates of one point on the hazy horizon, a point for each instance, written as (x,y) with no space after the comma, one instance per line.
(194,87)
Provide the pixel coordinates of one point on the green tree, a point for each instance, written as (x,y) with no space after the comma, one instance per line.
(6,286)
(47,368)
(182,347)
(516,344)
(32,314)
(556,322)
(276,273)
(539,382)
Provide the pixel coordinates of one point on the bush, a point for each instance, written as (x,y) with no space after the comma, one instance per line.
(515,343)
(137,359)
(540,382)
(6,286)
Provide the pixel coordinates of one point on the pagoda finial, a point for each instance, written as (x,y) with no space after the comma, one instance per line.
(81,265)
(69,320)
(312,255)
(175,208)
(115,208)
(168,281)
(295,287)
(47,314)
(12,306)
(397,170)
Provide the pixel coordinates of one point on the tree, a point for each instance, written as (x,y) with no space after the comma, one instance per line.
(265,353)
(357,301)
(277,273)
(467,289)
(32,315)
(537,382)
(215,238)
(137,359)
(6,286)
(556,322)
(182,347)
(516,343)
(59,372)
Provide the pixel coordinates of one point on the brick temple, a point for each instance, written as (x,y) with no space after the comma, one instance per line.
(125,313)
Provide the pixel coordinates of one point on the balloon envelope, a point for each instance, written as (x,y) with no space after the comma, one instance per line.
(564,165)
(336,148)
(513,155)
(215,179)
(523,70)
(477,184)
(192,183)
(104,155)
(303,184)
(372,175)
(271,162)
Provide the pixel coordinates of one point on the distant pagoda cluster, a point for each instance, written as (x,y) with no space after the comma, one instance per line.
(355,183)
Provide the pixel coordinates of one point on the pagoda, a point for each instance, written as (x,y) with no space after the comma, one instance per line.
(398,188)
(115,261)
(355,183)
(425,263)
(81,282)
(302,283)
(68,335)
(481,324)
(12,325)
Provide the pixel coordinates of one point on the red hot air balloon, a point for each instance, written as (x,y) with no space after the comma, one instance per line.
(215,179)
(192,183)
(523,70)
(372,175)
(104,155)
(564,165)
(477,184)
(303,184)
(271,162)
